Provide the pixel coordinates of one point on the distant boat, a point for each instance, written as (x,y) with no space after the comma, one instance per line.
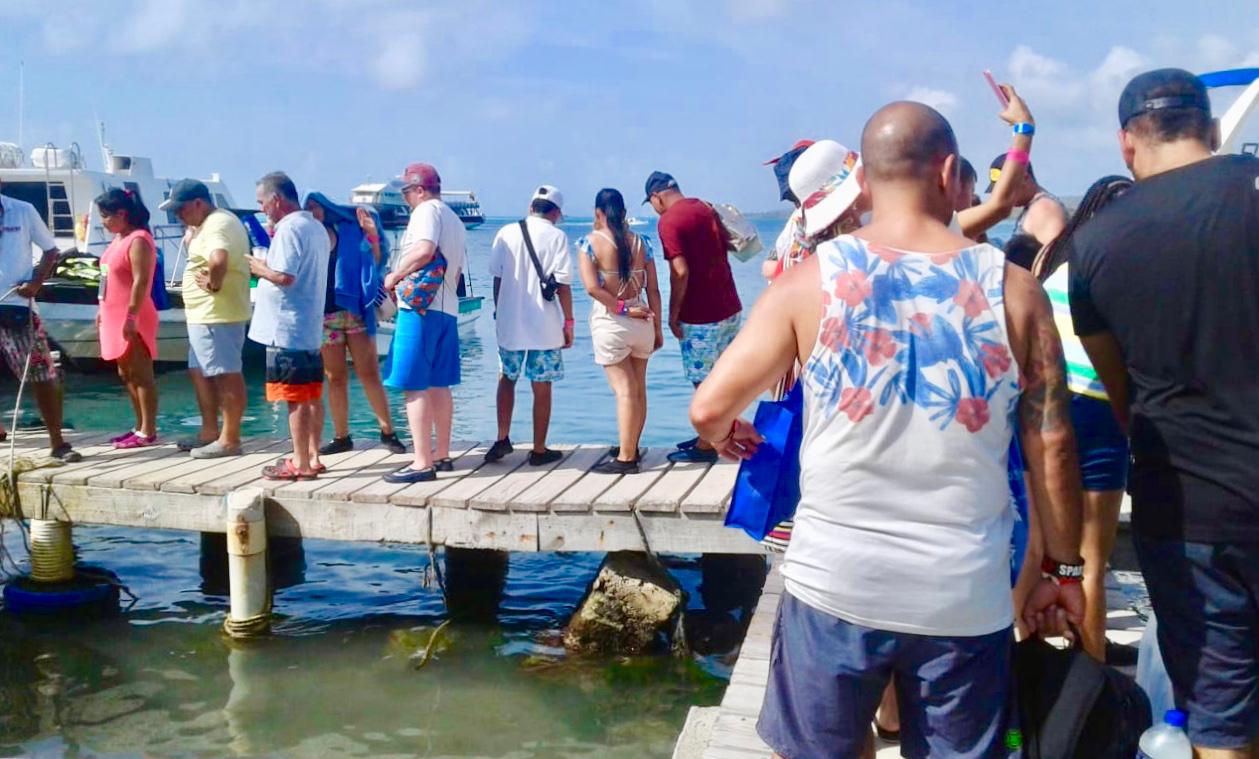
(634,221)
(386,198)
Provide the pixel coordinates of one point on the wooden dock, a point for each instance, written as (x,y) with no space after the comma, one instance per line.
(507,505)
(728,731)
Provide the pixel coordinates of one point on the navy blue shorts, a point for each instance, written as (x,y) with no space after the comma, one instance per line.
(1206,597)
(826,677)
(425,351)
(1100,444)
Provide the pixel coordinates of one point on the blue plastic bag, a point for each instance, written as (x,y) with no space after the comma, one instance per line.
(767,488)
(161,301)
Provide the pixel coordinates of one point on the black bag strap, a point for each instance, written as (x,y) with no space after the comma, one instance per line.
(533,255)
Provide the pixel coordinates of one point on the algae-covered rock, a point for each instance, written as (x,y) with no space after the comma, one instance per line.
(631,601)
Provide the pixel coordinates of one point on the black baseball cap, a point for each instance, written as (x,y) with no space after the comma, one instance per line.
(994,172)
(659,182)
(1162,89)
(782,170)
(185,191)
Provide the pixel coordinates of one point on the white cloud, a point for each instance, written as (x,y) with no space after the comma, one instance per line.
(1115,71)
(1046,83)
(942,100)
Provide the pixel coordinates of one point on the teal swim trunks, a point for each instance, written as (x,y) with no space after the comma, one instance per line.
(703,343)
(538,365)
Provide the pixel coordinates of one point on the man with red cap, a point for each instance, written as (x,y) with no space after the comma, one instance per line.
(424,357)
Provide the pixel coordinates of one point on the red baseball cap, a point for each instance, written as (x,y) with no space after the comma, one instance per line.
(800,145)
(422,175)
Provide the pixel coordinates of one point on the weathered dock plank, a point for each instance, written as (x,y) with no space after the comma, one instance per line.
(669,490)
(712,492)
(504,493)
(570,470)
(461,493)
(379,491)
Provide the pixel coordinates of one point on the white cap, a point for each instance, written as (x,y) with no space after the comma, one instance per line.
(824,178)
(550,193)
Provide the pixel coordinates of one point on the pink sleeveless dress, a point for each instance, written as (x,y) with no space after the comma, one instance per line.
(115,296)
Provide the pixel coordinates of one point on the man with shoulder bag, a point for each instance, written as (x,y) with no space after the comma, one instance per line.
(533,307)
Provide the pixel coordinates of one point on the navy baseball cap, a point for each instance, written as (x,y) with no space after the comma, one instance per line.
(185,191)
(659,182)
(1162,89)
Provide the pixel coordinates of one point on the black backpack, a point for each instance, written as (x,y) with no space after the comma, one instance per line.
(1073,707)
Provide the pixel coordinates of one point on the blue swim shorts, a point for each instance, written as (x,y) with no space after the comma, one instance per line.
(703,343)
(424,353)
(538,365)
(827,676)
(1206,598)
(216,349)
(1100,444)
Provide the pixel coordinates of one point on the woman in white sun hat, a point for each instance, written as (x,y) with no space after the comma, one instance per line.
(824,179)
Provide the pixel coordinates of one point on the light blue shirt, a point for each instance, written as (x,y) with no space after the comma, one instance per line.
(292,317)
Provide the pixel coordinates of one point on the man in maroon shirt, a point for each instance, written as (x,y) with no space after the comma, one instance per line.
(704,307)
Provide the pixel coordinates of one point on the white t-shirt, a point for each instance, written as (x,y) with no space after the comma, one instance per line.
(292,317)
(23,239)
(525,320)
(433,221)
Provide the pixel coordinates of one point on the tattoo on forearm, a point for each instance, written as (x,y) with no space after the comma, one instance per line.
(1045,404)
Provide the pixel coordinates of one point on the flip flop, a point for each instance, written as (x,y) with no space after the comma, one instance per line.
(287,461)
(286,473)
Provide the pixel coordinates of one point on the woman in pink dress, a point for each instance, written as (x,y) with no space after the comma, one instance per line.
(127,321)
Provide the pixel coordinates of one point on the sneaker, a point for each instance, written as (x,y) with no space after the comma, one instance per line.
(214,450)
(123,436)
(547,456)
(693,456)
(136,440)
(616,466)
(687,445)
(444,465)
(390,440)
(186,444)
(500,449)
(67,454)
(406,476)
(336,445)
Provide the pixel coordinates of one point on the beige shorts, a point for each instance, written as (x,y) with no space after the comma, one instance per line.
(616,338)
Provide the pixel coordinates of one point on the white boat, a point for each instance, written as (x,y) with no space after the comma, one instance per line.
(1235,117)
(634,221)
(386,198)
(61,187)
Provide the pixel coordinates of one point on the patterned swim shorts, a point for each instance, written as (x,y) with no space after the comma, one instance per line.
(538,365)
(16,342)
(703,343)
(295,376)
(340,324)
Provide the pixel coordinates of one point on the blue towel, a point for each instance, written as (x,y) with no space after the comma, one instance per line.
(358,277)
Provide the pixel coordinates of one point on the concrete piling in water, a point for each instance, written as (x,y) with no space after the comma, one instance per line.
(250,590)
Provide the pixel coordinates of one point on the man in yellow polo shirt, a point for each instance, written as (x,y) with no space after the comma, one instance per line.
(216,306)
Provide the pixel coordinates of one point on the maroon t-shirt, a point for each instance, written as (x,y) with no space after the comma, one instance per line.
(691,229)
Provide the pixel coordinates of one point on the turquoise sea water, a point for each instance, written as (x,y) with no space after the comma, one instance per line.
(335,678)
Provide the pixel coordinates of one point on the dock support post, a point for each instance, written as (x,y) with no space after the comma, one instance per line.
(250,613)
(475,579)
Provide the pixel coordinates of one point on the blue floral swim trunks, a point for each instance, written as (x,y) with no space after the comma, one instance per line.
(703,343)
(538,365)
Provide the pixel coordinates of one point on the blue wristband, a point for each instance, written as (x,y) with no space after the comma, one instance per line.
(1024,127)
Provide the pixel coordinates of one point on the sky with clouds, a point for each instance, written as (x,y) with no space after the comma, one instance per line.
(501,96)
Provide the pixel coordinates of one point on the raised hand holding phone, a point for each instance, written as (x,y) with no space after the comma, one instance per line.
(996,88)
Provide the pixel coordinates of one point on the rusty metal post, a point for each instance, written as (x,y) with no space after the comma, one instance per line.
(250,613)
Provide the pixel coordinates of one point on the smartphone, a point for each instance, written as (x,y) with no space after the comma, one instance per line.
(996,88)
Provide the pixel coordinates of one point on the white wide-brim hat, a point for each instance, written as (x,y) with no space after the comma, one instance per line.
(824,178)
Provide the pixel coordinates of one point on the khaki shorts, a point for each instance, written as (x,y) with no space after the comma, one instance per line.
(616,338)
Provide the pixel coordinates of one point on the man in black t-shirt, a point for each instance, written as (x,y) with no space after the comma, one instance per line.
(1165,297)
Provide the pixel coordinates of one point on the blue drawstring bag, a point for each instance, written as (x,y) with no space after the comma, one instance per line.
(767,488)
(161,301)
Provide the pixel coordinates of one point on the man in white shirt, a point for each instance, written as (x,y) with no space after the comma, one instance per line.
(532,328)
(288,320)
(21,333)
(424,357)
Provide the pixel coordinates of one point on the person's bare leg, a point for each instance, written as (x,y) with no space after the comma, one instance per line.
(639,366)
(1223,753)
(229,389)
(505,405)
(314,410)
(541,415)
(1097,539)
(367,367)
(48,398)
(299,431)
(443,403)
(621,380)
(420,420)
(337,373)
(208,403)
(140,369)
(888,715)
(124,376)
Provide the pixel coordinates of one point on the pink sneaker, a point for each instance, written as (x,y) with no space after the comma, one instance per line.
(123,436)
(136,441)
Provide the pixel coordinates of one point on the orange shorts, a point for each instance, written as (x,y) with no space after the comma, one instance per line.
(295,376)
(279,391)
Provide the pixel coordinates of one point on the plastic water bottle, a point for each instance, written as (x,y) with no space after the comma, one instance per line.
(1168,740)
(1151,674)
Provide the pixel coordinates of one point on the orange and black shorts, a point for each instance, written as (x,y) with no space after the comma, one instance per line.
(293,375)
